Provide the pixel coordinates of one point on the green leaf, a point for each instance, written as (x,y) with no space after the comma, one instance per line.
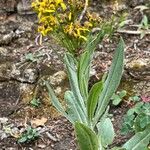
(30,57)
(56,102)
(145,21)
(22,139)
(72,73)
(122,93)
(35,102)
(73,110)
(85,62)
(112,81)
(94,40)
(31,136)
(135,98)
(87,139)
(118,148)
(93,98)
(139,141)
(106,131)
(116,99)
(84,71)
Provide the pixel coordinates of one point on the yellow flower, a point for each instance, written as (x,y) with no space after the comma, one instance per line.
(70,16)
(76,30)
(88,24)
(93,17)
(44,31)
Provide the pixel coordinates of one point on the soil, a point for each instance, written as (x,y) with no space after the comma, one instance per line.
(16,92)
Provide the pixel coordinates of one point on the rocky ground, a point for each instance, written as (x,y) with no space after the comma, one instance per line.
(24,62)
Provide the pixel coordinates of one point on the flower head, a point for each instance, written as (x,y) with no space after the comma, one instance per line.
(63,16)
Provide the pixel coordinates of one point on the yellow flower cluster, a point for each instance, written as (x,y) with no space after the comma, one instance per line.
(63,16)
(77,30)
(47,10)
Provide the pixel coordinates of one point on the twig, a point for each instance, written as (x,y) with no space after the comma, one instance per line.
(84,10)
(51,137)
(133,32)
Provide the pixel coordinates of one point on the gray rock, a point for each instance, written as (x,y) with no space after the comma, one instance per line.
(7,39)
(139,68)
(9,94)
(58,77)
(134,3)
(3,15)
(5,70)
(28,75)
(8,5)
(3,120)
(3,51)
(3,135)
(26,26)
(8,26)
(24,7)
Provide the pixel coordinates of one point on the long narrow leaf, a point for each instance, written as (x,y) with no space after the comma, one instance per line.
(112,81)
(85,62)
(93,98)
(87,139)
(71,69)
(92,42)
(73,110)
(83,72)
(139,141)
(56,102)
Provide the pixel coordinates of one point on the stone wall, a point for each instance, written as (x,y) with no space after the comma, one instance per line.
(20,76)
(9,7)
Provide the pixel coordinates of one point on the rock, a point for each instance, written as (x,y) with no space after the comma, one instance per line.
(24,7)
(133,3)
(8,5)
(41,146)
(3,51)
(5,70)
(3,135)
(26,26)
(9,93)
(3,15)
(9,26)
(9,72)
(58,77)
(29,75)
(23,41)
(3,120)
(139,68)
(7,39)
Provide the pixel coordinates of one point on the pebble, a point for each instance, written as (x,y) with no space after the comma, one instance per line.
(41,146)
(3,120)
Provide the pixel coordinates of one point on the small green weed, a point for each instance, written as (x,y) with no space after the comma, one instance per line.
(29,135)
(137,117)
(35,102)
(117,98)
(144,26)
(33,57)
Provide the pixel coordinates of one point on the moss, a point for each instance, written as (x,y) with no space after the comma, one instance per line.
(128,86)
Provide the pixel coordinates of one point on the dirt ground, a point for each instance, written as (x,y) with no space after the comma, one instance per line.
(56,133)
